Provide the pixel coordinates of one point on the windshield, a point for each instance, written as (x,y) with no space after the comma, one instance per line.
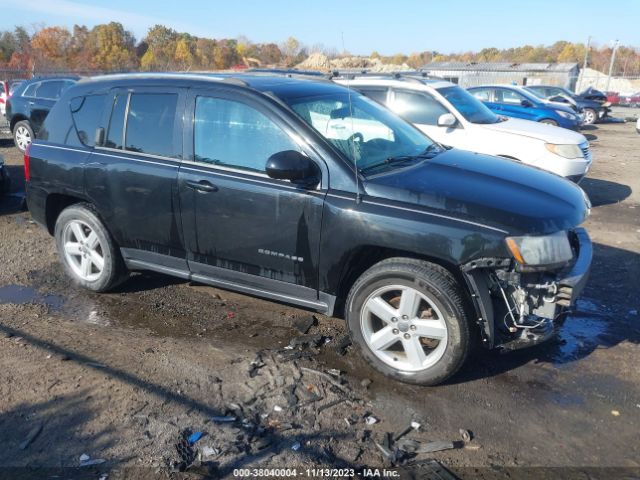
(366,133)
(472,109)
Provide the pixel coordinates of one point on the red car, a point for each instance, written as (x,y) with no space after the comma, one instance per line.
(613,97)
(632,100)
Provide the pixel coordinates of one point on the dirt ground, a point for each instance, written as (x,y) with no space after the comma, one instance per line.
(121,377)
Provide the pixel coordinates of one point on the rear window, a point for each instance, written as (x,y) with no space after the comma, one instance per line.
(150,123)
(86,113)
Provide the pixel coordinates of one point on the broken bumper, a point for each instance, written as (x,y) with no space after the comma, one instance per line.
(571,286)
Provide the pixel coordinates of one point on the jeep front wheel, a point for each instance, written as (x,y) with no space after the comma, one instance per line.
(408,320)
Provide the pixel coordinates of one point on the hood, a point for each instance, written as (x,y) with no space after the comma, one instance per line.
(564,107)
(497,192)
(537,130)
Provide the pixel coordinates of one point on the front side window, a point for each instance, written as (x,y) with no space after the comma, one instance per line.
(472,109)
(482,94)
(508,96)
(150,124)
(366,133)
(420,108)
(86,113)
(233,134)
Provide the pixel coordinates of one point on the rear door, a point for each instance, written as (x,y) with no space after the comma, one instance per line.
(132,176)
(242,228)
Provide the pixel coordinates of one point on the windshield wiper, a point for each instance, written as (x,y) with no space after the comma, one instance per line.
(430,152)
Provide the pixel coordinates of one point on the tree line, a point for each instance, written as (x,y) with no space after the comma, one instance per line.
(110,47)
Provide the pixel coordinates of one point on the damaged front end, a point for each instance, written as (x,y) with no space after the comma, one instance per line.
(521,300)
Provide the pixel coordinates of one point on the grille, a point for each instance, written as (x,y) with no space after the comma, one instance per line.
(585,150)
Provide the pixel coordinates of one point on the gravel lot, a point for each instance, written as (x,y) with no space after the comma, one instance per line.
(120,376)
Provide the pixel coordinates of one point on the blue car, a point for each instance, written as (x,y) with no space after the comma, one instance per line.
(514,101)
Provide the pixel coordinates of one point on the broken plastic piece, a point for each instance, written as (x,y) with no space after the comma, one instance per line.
(194,437)
(296,446)
(466,435)
(277,408)
(224,419)
(371,420)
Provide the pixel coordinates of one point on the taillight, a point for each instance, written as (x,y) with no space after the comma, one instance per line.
(27,169)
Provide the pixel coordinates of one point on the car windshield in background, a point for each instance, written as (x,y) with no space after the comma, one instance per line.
(537,93)
(472,109)
(368,134)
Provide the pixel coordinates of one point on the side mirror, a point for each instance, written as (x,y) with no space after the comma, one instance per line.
(447,120)
(293,166)
(99,138)
(526,103)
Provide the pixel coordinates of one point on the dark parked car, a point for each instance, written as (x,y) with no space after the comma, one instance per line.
(4,178)
(304,192)
(592,110)
(29,105)
(593,94)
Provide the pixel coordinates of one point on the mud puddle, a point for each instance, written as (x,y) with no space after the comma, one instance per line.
(22,295)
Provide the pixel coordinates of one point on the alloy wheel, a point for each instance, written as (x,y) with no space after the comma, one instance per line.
(404,328)
(23,137)
(83,250)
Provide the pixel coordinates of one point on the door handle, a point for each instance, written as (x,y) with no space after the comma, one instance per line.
(202,186)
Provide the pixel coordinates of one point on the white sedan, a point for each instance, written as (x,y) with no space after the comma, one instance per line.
(453,117)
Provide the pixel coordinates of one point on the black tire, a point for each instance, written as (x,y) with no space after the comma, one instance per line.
(442,289)
(114,270)
(549,121)
(18,130)
(590,116)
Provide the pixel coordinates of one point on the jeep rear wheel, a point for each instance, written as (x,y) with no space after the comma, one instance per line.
(86,249)
(408,320)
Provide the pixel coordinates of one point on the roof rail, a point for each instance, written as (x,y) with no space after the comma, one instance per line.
(415,76)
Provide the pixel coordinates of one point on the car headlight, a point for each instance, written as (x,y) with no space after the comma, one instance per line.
(564,150)
(568,115)
(546,250)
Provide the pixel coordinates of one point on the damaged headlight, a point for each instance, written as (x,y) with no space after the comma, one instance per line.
(566,151)
(547,250)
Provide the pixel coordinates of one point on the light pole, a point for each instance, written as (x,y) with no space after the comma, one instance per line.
(613,59)
(584,65)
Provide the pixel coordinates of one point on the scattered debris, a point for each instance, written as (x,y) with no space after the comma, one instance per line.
(304,341)
(335,372)
(615,413)
(224,419)
(330,404)
(86,461)
(411,427)
(296,446)
(366,382)
(208,452)
(185,451)
(35,431)
(277,408)
(466,435)
(371,420)
(342,344)
(432,447)
(194,437)
(304,324)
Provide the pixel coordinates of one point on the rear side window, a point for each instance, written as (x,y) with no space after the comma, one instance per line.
(418,108)
(86,113)
(508,96)
(482,94)
(51,89)
(379,95)
(30,91)
(150,123)
(116,122)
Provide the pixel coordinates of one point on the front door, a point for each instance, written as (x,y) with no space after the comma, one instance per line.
(243,229)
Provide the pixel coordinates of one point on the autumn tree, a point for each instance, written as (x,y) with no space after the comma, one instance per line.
(50,47)
(113,47)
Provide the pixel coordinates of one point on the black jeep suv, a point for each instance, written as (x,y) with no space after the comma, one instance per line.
(305,192)
(29,105)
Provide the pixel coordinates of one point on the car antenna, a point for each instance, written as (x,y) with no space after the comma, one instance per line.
(353,146)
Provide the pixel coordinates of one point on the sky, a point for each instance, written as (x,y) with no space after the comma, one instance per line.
(358,26)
